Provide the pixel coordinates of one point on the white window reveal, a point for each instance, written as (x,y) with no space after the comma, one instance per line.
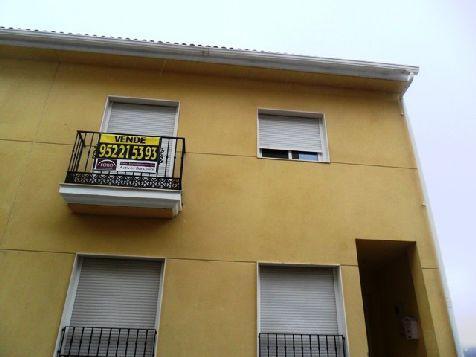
(115,308)
(292,136)
(299,312)
(149,118)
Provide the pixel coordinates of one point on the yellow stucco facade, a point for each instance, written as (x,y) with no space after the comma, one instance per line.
(238,209)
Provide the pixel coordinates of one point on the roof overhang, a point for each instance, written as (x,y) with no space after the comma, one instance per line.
(208,54)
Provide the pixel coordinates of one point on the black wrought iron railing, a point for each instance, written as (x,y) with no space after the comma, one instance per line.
(79,341)
(301,345)
(155,165)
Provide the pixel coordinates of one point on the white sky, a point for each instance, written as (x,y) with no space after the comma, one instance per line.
(437,35)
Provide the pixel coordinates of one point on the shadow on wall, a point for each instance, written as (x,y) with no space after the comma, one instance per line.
(390,306)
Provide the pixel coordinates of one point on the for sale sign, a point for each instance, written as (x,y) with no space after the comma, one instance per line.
(128,153)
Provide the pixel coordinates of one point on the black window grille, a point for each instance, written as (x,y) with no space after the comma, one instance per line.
(80,341)
(301,345)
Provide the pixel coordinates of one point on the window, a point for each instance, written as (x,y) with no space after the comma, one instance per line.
(299,312)
(145,117)
(141,118)
(114,308)
(292,136)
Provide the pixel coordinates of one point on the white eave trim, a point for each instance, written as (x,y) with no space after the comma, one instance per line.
(121,196)
(150,49)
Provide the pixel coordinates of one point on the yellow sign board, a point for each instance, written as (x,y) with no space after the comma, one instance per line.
(131,147)
(129,139)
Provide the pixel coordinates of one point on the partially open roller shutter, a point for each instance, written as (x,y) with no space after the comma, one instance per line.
(290,133)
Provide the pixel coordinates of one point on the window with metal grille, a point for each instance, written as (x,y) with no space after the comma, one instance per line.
(299,312)
(292,136)
(145,117)
(114,309)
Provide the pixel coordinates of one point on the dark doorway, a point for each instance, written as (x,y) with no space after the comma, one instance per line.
(390,307)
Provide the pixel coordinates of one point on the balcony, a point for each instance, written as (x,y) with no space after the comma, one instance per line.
(79,341)
(121,174)
(302,345)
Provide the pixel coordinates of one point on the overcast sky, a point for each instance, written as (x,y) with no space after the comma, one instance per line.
(437,35)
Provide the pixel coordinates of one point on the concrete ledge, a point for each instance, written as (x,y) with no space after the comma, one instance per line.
(108,200)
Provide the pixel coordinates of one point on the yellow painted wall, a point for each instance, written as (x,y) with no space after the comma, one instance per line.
(209,309)
(238,209)
(354,315)
(435,323)
(32,294)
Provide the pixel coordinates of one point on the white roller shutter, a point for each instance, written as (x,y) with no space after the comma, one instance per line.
(145,119)
(141,119)
(290,133)
(117,293)
(298,300)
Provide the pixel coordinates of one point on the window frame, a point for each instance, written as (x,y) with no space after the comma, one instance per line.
(73,285)
(338,289)
(322,157)
(110,99)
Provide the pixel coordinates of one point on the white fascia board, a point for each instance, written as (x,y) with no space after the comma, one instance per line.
(150,49)
(121,196)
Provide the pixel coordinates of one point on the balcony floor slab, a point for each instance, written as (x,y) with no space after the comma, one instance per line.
(124,201)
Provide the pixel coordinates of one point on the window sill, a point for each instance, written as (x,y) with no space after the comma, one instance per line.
(293,160)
